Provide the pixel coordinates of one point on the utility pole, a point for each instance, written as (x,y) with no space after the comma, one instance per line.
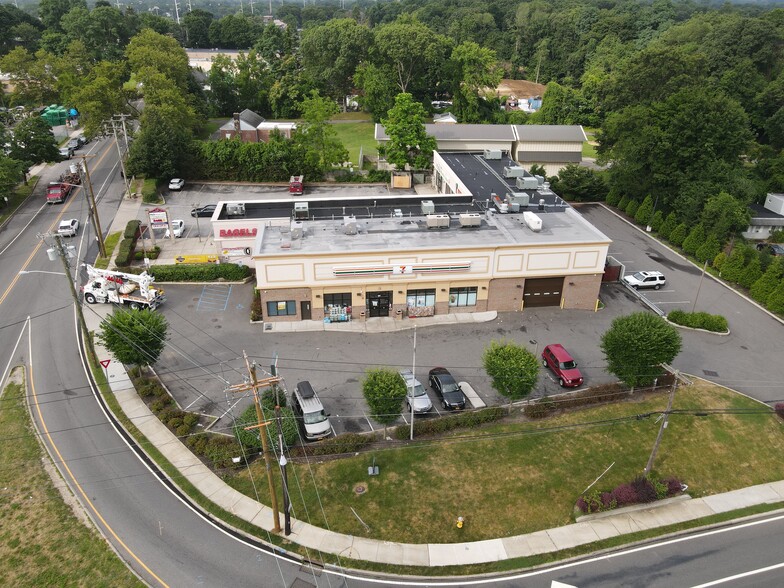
(96,220)
(283,462)
(254,386)
(62,253)
(413,373)
(120,155)
(699,286)
(665,419)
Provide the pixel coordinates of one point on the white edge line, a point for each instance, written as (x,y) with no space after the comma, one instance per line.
(11,358)
(19,234)
(739,576)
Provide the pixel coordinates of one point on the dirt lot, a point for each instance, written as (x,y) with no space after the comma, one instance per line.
(519,89)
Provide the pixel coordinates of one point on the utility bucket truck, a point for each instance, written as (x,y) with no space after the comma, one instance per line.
(135,290)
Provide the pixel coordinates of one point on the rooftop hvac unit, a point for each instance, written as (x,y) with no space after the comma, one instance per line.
(350,225)
(297,229)
(428,207)
(514,171)
(540,179)
(300,210)
(527,183)
(519,198)
(532,221)
(235,209)
(499,203)
(493,154)
(437,221)
(470,219)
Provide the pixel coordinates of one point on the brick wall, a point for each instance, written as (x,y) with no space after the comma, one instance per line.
(505,294)
(581,292)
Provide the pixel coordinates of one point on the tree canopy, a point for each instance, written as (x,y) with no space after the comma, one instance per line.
(135,337)
(513,370)
(409,144)
(384,391)
(637,344)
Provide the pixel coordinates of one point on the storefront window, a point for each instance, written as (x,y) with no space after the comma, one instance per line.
(337,307)
(282,308)
(420,298)
(342,299)
(462,296)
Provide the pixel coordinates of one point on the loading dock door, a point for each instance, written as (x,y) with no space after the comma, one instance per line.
(542,292)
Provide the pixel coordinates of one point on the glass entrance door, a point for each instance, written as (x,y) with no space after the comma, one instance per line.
(378,303)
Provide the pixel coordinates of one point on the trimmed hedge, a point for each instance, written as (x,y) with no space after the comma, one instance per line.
(450,423)
(373,176)
(124,253)
(699,320)
(199,272)
(132,229)
(150,191)
(342,444)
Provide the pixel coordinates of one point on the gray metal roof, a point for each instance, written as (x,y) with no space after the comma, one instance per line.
(549,156)
(472,132)
(550,133)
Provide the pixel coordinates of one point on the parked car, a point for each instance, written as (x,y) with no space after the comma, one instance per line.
(74,144)
(68,227)
(176,184)
(66,152)
(178,226)
(82,140)
(653,280)
(310,412)
(203,211)
(772,248)
(446,387)
(416,395)
(562,365)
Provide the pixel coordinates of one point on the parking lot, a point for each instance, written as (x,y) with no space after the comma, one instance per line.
(210,329)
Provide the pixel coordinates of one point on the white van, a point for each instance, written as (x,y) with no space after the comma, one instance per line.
(310,412)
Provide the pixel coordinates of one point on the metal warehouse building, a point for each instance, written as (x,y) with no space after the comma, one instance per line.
(496,239)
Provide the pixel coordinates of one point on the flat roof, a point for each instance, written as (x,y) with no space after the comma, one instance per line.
(550,133)
(759,211)
(477,132)
(409,231)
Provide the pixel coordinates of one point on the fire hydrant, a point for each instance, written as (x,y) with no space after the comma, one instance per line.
(460,522)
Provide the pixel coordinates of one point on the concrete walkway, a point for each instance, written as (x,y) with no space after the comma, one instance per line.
(588,529)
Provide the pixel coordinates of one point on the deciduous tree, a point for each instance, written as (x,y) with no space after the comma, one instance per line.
(513,370)
(409,144)
(637,344)
(384,391)
(317,135)
(33,142)
(134,337)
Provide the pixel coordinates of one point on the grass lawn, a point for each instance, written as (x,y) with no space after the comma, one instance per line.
(515,478)
(354,135)
(41,541)
(110,243)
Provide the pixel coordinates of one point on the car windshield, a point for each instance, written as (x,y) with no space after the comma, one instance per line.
(313,418)
(638,276)
(568,365)
(419,390)
(451,387)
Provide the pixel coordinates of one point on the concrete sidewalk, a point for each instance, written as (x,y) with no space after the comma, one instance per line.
(588,529)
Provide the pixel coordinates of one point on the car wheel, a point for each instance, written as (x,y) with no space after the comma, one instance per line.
(657,286)
(89,298)
(135,306)
(561,382)
(636,287)
(544,362)
(443,404)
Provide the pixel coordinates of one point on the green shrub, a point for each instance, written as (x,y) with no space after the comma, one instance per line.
(221,451)
(678,234)
(340,445)
(146,389)
(593,395)
(174,422)
(150,191)
(631,208)
(709,249)
(643,214)
(190,419)
(198,443)
(694,240)
(152,253)
(699,320)
(124,253)
(182,430)
(160,404)
(374,176)
(657,221)
(623,203)
(613,198)
(668,226)
(199,272)
(268,398)
(719,260)
(256,312)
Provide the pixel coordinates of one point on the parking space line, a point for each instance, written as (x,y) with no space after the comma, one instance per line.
(368,421)
(214,298)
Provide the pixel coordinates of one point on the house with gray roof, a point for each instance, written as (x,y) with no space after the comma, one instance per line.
(253,128)
(766,218)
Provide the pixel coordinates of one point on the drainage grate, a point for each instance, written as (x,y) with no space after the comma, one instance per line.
(711,373)
(268,327)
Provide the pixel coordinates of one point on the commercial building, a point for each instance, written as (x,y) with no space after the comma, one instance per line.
(496,238)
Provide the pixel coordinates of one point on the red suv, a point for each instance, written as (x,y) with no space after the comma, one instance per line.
(563,365)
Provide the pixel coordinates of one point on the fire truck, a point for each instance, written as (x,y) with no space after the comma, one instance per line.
(134,290)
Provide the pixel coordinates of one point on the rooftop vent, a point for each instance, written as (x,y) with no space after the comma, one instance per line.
(532,221)
(492,154)
(514,171)
(437,221)
(297,229)
(350,225)
(301,210)
(428,207)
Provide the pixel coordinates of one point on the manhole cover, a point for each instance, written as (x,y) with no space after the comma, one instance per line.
(710,373)
(360,489)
